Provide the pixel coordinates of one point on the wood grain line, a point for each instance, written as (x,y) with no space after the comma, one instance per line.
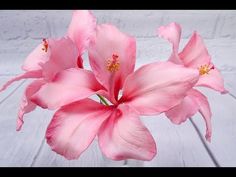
(12,92)
(204,144)
(37,154)
(232,95)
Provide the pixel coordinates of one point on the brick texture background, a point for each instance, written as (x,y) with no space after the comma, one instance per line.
(35,24)
(22,30)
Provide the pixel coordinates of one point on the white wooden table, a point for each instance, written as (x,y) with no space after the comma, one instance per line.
(180,146)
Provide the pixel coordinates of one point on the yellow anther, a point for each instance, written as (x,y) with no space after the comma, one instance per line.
(45,45)
(113,63)
(205,69)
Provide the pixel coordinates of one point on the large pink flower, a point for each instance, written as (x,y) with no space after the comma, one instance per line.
(53,56)
(121,134)
(194,55)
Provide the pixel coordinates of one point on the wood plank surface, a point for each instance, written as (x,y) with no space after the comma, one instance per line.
(20,148)
(223,143)
(178,145)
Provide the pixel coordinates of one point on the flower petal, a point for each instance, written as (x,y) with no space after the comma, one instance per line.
(80,62)
(204,109)
(74,127)
(110,41)
(63,55)
(213,80)
(26,105)
(156,87)
(26,75)
(172,33)
(36,58)
(186,109)
(68,86)
(195,101)
(123,136)
(82,28)
(195,53)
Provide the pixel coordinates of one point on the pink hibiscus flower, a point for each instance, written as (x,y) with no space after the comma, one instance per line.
(53,56)
(194,55)
(150,90)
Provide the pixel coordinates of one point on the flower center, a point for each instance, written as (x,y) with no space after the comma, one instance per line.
(205,69)
(45,45)
(113,63)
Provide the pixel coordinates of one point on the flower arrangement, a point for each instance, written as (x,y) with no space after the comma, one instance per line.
(62,83)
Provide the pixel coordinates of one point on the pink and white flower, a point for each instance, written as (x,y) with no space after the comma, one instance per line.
(121,134)
(61,82)
(195,56)
(53,56)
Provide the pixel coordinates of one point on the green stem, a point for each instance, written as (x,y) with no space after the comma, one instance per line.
(103,100)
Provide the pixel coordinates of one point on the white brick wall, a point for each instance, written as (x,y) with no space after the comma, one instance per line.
(22,30)
(19,28)
(35,24)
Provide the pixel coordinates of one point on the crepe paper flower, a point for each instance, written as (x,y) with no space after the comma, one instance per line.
(53,56)
(121,134)
(194,55)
